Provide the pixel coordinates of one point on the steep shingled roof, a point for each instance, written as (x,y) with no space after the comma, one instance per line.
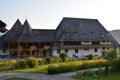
(14,33)
(70,29)
(26,28)
(38,35)
(77,29)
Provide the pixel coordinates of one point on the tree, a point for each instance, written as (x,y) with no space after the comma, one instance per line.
(2,27)
(112,54)
(63,56)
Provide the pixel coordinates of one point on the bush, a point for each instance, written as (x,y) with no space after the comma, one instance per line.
(116,65)
(90,57)
(48,60)
(112,54)
(73,66)
(32,62)
(21,64)
(63,56)
(40,61)
(52,69)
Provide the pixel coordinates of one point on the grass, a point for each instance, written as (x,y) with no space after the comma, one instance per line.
(17,78)
(101,76)
(38,69)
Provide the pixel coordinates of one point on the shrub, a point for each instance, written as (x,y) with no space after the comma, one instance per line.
(63,56)
(90,57)
(116,65)
(111,54)
(32,62)
(48,60)
(11,63)
(21,64)
(40,61)
(73,66)
(52,69)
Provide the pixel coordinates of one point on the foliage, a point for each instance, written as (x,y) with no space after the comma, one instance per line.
(63,56)
(112,54)
(7,65)
(90,57)
(96,76)
(52,69)
(106,70)
(73,66)
(116,65)
(48,60)
(32,62)
(21,64)
(17,78)
(41,61)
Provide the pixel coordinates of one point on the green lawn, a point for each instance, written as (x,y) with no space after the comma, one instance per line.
(38,69)
(16,78)
(111,76)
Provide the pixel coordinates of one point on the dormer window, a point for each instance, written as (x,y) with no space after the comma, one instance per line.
(75,33)
(67,33)
(102,35)
(92,33)
(108,34)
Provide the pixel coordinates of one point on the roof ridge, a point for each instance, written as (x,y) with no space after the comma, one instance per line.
(79,18)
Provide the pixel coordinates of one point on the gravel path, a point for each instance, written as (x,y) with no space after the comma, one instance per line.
(37,76)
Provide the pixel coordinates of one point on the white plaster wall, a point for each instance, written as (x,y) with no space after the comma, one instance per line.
(2,53)
(62,50)
(81,52)
(106,42)
(84,43)
(55,53)
(71,52)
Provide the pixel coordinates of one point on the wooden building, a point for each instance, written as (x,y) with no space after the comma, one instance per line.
(76,36)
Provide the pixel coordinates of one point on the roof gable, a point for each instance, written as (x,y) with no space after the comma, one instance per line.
(26,28)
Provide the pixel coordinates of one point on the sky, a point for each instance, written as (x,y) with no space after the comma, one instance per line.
(47,14)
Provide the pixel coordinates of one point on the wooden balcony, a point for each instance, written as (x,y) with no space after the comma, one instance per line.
(88,46)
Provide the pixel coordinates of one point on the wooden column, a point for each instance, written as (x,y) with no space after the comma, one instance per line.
(41,53)
(18,54)
(30,52)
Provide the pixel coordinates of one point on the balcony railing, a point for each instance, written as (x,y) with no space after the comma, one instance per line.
(89,46)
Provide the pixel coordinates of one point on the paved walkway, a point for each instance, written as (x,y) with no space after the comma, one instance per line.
(37,76)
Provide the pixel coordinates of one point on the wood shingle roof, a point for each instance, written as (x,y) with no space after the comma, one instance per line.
(70,29)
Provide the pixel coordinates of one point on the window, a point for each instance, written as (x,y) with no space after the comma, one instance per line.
(95,42)
(75,33)
(4,50)
(103,41)
(102,35)
(103,48)
(66,50)
(86,41)
(67,33)
(76,50)
(58,51)
(86,49)
(108,34)
(95,50)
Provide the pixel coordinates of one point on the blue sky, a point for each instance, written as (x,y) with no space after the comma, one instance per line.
(48,13)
